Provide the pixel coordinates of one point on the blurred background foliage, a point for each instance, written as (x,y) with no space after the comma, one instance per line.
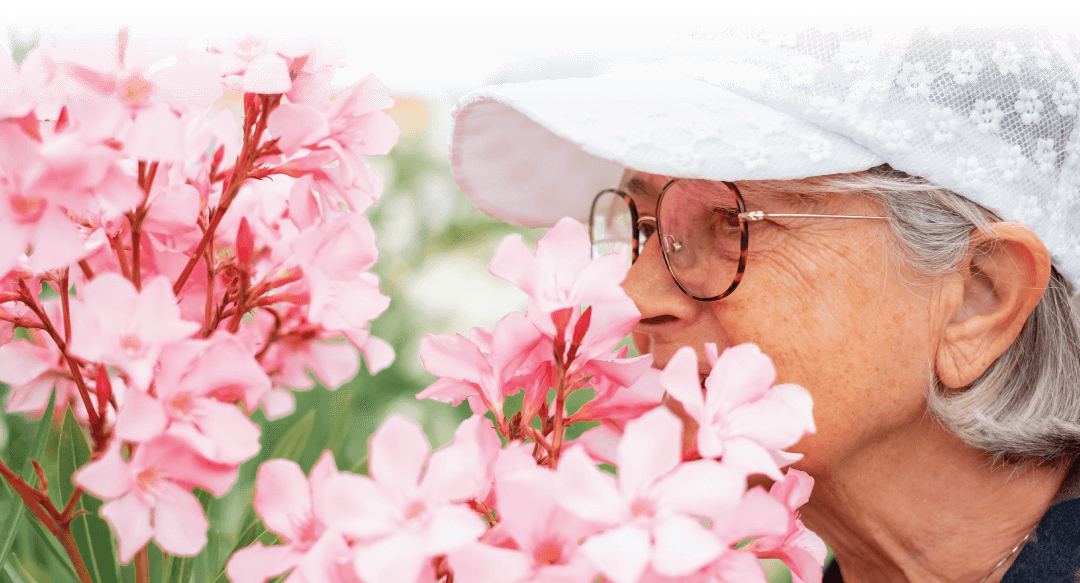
(435,247)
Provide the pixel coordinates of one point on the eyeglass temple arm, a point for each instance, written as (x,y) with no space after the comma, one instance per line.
(760,216)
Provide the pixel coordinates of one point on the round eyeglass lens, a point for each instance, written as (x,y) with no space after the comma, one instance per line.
(611,226)
(701,235)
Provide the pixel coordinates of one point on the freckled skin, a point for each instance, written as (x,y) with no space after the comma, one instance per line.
(818,299)
(897,496)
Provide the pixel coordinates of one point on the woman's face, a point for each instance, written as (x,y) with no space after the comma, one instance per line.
(825,300)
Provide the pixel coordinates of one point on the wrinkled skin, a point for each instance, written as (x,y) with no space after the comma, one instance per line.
(827,300)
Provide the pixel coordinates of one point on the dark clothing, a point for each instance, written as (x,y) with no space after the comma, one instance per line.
(1052,555)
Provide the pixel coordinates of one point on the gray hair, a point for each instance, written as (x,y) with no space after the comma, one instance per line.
(1026,405)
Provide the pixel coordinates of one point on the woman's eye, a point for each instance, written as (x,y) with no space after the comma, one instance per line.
(647,230)
(729,216)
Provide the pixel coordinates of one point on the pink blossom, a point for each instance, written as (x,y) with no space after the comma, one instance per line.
(653,510)
(150,496)
(117,325)
(191,375)
(335,258)
(468,373)
(741,416)
(271,66)
(616,402)
(801,549)
(348,127)
(545,536)
(295,507)
(35,180)
(562,274)
(33,371)
(407,512)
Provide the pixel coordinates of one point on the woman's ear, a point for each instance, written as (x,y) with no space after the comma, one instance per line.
(986,306)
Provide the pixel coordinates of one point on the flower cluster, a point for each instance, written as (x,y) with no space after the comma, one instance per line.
(195,266)
(512,500)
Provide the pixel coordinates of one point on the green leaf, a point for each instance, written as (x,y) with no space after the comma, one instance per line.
(178,569)
(91,533)
(292,444)
(55,550)
(343,412)
(37,445)
(250,535)
(155,560)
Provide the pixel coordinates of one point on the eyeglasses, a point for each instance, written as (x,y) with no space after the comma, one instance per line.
(703,232)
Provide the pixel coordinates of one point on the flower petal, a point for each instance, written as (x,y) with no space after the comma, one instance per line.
(130,521)
(282,497)
(258,563)
(586,491)
(180,524)
(650,448)
(399,449)
(141,418)
(620,554)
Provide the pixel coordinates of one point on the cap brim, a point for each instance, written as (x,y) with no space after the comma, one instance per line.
(530,153)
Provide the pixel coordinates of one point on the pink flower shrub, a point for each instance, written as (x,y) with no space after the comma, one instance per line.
(150,496)
(203,267)
(190,289)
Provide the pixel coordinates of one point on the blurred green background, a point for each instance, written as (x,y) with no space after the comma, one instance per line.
(435,247)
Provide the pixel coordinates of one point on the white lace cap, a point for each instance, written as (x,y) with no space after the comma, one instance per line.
(990,114)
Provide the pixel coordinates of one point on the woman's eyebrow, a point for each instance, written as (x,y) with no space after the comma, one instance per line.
(638,188)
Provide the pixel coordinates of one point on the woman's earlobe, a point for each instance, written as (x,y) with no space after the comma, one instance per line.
(1006,272)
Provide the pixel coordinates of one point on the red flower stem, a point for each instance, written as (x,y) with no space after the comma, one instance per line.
(560,422)
(245,162)
(65,303)
(135,219)
(69,512)
(537,438)
(20,322)
(208,312)
(41,506)
(136,258)
(118,247)
(28,299)
(142,566)
(270,338)
(85,267)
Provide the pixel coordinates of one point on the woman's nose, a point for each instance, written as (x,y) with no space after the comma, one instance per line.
(650,285)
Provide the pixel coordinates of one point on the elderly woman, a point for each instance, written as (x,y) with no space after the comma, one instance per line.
(891,220)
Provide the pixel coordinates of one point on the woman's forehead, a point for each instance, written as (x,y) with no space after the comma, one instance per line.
(643,185)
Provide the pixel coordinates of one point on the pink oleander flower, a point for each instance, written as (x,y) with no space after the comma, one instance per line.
(616,402)
(563,274)
(335,258)
(480,369)
(409,511)
(535,540)
(193,390)
(757,515)
(296,508)
(652,512)
(117,325)
(150,496)
(344,129)
(802,550)
(742,417)
(33,371)
(255,65)
(578,304)
(39,175)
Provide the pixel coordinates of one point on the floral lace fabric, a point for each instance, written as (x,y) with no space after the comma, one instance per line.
(991,115)
(988,113)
